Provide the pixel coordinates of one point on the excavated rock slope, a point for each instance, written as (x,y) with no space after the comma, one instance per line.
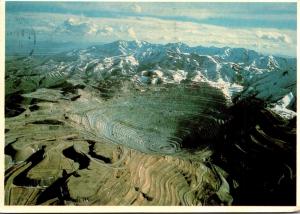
(95,152)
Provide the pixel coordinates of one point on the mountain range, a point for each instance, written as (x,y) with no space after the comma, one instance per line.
(238,72)
(154,124)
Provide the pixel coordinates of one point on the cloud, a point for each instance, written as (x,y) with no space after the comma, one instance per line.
(233,14)
(155,30)
(274,37)
(105,31)
(76,26)
(136,8)
(132,33)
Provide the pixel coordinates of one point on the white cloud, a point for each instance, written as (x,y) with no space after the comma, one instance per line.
(77,26)
(270,40)
(132,33)
(198,10)
(105,31)
(136,8)
(274,37)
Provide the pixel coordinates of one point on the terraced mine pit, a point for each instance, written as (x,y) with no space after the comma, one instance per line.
(69,142)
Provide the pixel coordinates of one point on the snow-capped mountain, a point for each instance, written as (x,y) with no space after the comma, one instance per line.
(237,71)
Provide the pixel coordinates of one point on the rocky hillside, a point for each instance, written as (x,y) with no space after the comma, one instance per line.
(134,123)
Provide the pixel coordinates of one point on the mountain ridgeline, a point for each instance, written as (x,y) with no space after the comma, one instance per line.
(234,70)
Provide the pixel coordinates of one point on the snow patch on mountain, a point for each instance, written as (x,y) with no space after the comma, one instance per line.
(236,71)
(283,105)
(272,86)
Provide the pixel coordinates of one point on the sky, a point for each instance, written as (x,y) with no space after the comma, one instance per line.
(265,27)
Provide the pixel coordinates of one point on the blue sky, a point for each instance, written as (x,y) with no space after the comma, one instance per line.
(265,27)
